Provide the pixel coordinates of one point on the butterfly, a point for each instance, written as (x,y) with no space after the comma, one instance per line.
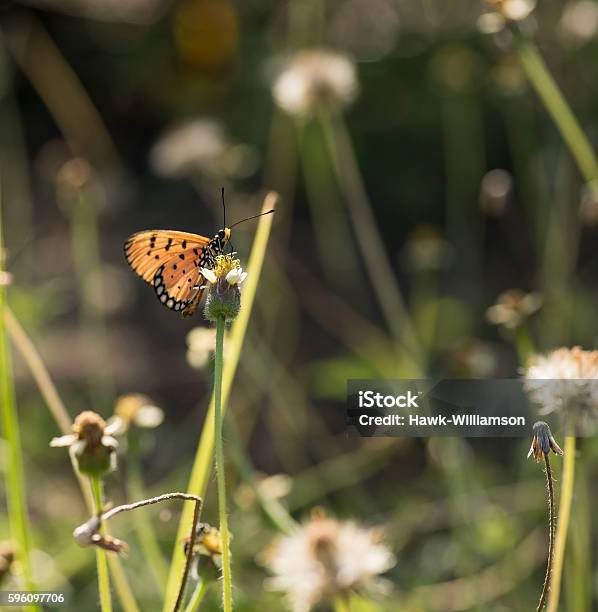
(172,261)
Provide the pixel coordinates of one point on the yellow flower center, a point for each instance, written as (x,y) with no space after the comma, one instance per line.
(224,264)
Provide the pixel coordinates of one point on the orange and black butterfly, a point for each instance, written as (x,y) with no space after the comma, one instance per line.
(171,261)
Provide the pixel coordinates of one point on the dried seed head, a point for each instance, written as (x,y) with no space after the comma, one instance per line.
(91,444)
(543,442)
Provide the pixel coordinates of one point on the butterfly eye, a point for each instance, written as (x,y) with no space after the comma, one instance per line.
(221,234)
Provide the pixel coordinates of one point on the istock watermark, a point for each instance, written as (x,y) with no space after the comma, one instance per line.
(466,408)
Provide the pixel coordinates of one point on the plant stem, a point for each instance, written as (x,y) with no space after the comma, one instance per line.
(557,107)
(197,597)
(551,528)
(202,463)
(227,592)
(563,521)
(102,561)
(15,479)
(189,556)
(369,239)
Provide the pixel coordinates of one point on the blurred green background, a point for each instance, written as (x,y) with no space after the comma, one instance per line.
(117,116)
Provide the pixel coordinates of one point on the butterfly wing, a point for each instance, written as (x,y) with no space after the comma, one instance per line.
(169,260)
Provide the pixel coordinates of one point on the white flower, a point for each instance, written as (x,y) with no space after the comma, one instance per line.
(503,12)
(326,557)
(564,379)
(315,78)
(209,275)
(579,22)
(201,342)
(201,146)
(513,307)
(5,278)
(236,276)
(136,409)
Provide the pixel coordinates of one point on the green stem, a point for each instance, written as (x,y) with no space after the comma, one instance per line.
(227,592)
(102,561)
(145,532)
(562,528)
(15,479)
(197,597)
(203,462)
(557,107)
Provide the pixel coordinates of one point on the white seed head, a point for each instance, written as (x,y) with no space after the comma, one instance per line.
(315,79)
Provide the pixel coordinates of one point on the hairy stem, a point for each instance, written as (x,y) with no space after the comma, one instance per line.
(227,593)
(102,561)
(551,529)
(563,522)
(189,558)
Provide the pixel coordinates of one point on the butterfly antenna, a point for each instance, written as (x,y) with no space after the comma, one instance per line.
(252,217)
(223,209)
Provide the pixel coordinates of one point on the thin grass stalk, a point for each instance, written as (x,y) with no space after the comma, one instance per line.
(369,239)
(102,562)
(271,507)
(197,596)
(202,464)
(227,587)
(558,108)
(87,258)
(145,532)
(38,370)
(564,516)
(551,530)
(15,477)
(56,406)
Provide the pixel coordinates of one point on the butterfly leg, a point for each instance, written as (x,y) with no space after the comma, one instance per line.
(194,303)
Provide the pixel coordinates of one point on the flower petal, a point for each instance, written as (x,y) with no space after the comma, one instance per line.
(209,275)
(63,440)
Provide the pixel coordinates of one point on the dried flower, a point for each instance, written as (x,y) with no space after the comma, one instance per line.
(315,79)
(543,442)
(135,409)
(224,296)
(91,444)
(207,552)
(513,307)
(326,558)
(564,380)
(89,534)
